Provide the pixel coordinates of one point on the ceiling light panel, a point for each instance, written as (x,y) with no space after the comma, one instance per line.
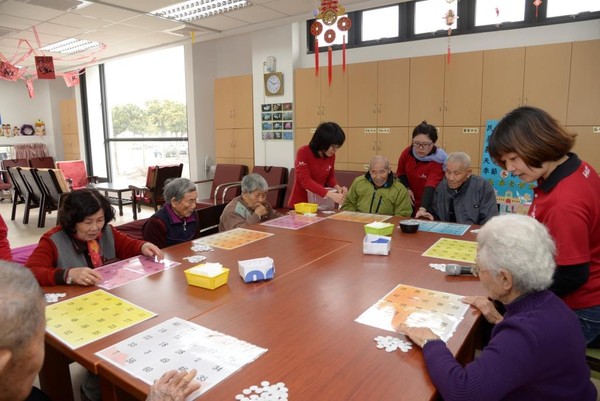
(189,11)
(71,46)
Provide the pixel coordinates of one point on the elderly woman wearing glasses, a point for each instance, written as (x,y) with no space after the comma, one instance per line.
(420,167)
(537,349)
(250,207)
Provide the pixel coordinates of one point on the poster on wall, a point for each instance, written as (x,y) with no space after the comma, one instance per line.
(510,190)
(277,121)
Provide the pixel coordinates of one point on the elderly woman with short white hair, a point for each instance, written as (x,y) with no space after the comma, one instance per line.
(537,349)
(250,207)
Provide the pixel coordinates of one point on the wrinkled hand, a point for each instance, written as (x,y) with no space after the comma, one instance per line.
(418,335)
(173,386)
(487,308)
(261,211)
(423,214)
(84,276)
(149,249)
(337,197)
(411,195)
(342,190)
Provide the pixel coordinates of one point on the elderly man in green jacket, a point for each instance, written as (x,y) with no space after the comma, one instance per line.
(378,192)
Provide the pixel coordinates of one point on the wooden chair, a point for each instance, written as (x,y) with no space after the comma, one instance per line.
(54,187)
(345,178)
(42,162)
(208,219)
(76,173)
(34,196)
(288,192)
(225,175)
(152,193)
(18,189)
(277,178)
(6,182)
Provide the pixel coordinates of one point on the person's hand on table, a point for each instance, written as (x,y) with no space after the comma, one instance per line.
(337,197)
(423,213)
(83,276)
(173,386)
(149,249)
(486,307)
(418,335)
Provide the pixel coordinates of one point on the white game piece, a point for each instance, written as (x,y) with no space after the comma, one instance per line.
(53,297)
(438,266)
(391,344)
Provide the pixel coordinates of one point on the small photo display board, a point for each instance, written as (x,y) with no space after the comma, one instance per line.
(277,121)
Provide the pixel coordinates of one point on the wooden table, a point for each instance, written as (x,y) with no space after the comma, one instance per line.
(116,188)
(305,316)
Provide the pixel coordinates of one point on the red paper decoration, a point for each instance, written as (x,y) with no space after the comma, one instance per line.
(537,4)
(330,13)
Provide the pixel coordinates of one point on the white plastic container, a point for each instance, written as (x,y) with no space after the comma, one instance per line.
(323,203)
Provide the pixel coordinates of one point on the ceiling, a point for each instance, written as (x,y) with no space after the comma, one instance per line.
(124,26)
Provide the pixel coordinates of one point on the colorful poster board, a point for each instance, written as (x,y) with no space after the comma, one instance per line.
(453,249)
(292,221)
(81,320)
(509,189)
(177,344)
(417,307)
(359,217)
(128,270)
(233,238)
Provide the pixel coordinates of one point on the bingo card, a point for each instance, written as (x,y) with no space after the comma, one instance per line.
(233,238)
(292,221)
(359,217)
(453,249)
(124,271)
(177,344)
(443,227)
(417,307)
(81,320)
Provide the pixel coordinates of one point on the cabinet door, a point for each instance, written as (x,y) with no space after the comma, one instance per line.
(243,143)
(361,146)
(455,140)
(224,143)
(224,105)
(391,142)
(241,93)
(307,93)
(502,90)
(334,97)
(68,116)
(584,90)
(462,94)
(302,136)
(362,94)
(393,82)
(587,145)
(426,90)
(547,70)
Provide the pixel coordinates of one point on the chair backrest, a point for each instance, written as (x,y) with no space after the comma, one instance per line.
(51,186)
(208,219)
(289,189)
(14,163)
(32,186)
(157,175)
(345,178)
(75,171)
(274,176)
(17,182)
(41,162)
(225,173)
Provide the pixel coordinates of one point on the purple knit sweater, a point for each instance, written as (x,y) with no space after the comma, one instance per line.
(536,353)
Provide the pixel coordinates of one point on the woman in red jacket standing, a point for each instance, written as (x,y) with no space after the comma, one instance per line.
(420,167)
(315,166)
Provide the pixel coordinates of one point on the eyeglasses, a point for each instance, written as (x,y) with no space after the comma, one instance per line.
(422,145)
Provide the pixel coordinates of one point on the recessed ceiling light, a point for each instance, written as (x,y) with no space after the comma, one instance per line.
(189,11)
(70,46)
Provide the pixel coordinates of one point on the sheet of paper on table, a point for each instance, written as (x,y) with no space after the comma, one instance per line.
(89,317)
(441,227)
(359,217)
(292,221)
(453,249)
(233,238)
(417,307)
(124,271)
(177,344)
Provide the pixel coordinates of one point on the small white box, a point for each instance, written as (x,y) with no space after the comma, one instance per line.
(377,244)
(256,269)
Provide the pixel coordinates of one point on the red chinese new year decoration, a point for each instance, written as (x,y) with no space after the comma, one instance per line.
(537,4)
(450,17)
(330,13)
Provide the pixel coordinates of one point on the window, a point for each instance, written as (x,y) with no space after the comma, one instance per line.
(380,23)
(489,12)
(558,8)
(141,124)
(430,15)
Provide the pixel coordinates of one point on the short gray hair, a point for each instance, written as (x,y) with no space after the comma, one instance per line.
(460,157)
(22,306)
(254,182)
(520,245)
(380,158)
(177,188)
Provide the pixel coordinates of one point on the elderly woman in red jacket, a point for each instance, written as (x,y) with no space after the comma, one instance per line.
(82,241)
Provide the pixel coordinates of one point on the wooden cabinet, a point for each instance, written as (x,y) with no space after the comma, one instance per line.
(69,130)
(503,75)
(584,88)
(316,101)
(365,143)
(457,139)
(233,102)
(234,131)
(235,146)
(587,145)
(426,90)
(546,83)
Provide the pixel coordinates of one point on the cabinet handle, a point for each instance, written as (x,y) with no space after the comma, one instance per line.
(518,102)
(374,108)
(440,108)
(525,102)
(373,146)
(446,105)
(322,110)
(379,108)
(378,146)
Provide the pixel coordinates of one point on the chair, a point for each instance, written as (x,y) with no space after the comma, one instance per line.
(34,196)
(18,189)
(6,183)
(225,175)
(75,172)
(152,193)
(42,162)
(54,186)
(208,219)
(593,359)
(288,192)
(277,178)
(345,178)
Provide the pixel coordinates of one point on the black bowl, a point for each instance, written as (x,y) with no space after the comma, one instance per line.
(409,226)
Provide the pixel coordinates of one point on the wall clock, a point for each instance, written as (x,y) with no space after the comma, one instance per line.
(274,83)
